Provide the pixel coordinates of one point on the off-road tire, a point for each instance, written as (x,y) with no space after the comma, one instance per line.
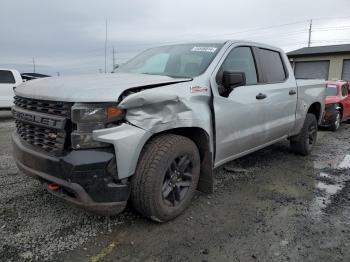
(301,143)
(335,125)
(153,165)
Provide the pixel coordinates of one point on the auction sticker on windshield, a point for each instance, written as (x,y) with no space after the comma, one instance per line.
(204,49)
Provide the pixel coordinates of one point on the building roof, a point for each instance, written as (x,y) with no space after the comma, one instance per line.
(320,50)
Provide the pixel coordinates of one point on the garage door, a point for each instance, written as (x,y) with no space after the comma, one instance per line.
(312,70)
(346,70)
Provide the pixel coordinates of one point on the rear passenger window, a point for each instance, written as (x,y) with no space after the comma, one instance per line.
(272,66)
(6,77)
(240,59)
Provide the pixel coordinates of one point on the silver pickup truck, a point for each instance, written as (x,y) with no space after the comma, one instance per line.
(153,131)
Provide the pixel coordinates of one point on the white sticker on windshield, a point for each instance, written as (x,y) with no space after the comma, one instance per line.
(204,49)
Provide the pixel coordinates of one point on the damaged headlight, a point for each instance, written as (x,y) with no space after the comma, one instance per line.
(332,107)
(89,117)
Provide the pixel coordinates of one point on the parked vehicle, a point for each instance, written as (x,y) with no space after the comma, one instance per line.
(32,76)
(9,79)
(337,104)
(153,131)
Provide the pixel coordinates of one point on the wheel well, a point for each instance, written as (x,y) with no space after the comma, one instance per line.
(315,109)
(202,140)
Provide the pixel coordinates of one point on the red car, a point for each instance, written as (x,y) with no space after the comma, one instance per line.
(337,104)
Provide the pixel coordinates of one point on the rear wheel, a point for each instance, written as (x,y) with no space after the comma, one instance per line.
(166,177)
(336,124)
(303,142)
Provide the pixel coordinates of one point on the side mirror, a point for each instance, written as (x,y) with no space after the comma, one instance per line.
(232,79)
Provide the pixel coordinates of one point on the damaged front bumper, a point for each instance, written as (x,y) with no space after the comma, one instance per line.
(86,178)
(329,117)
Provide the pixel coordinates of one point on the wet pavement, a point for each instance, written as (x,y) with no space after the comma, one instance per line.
(272,205)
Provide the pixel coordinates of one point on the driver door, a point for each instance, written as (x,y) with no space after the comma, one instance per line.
(239,118)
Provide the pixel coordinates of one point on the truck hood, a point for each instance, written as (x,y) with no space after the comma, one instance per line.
(90,88)
(332,100)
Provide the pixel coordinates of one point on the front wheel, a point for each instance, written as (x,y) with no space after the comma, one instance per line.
(304,142)
(166,177)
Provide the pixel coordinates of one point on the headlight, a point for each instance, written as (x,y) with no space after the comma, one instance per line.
(331,107)
(92,113)
(89,117)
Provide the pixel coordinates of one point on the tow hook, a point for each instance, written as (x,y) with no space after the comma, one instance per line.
(53,186)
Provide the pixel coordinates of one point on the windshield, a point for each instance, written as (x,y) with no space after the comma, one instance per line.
(186,60)
(331,90)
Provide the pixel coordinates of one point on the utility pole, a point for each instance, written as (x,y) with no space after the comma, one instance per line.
(33,64)
(310,32)
(106,49)
(113,59)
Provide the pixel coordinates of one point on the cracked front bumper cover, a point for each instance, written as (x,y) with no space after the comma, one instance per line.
(85,177)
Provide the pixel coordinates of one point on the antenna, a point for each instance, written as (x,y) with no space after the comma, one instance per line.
(106,47)
(310,32)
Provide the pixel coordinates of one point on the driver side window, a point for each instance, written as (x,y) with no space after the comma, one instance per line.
(240,59)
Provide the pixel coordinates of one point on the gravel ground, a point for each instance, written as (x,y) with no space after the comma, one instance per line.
(269,206)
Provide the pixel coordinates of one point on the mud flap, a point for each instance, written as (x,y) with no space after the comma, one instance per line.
(206,182)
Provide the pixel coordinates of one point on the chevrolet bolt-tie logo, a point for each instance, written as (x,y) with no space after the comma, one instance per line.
(52,136)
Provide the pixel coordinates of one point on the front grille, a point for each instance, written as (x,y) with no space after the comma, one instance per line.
(49,140)
(45,138)
(43,106)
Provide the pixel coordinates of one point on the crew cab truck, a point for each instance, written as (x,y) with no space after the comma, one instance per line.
(9,80)
(153,131)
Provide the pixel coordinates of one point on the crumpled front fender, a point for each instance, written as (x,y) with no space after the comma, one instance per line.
(128,142)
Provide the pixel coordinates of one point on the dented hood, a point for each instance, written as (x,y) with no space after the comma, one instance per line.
(90,88)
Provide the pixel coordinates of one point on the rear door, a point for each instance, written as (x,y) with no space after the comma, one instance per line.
(239,118)
(7,83)
(281,94)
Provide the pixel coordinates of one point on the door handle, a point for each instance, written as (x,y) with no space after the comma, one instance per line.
(260,96)
(292,92)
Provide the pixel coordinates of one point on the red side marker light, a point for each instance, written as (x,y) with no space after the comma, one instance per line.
(53,186)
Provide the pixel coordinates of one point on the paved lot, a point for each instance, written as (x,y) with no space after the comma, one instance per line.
(269,206)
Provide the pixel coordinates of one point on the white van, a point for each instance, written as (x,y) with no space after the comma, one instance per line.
(9,79)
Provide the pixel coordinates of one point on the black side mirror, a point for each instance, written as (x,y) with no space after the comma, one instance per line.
(231,79)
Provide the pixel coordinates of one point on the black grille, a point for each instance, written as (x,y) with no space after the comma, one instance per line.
(43,106)
(48,139)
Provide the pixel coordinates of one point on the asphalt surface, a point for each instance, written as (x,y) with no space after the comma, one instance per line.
(269,206)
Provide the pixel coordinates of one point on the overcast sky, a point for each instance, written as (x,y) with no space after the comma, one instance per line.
(67,36)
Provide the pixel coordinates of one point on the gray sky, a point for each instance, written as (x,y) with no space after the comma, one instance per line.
(68,36)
